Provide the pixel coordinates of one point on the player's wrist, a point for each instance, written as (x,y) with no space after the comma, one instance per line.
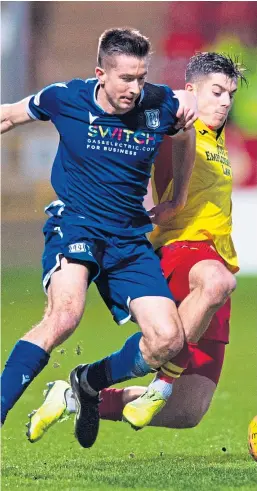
(178,203)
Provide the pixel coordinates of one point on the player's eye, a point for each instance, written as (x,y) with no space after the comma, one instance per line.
(217,94)
(127,79)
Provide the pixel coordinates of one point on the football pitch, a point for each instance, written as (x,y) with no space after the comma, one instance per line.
(213,455)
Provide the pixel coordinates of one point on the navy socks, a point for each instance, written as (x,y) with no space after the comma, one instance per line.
(24,363)
(121,365)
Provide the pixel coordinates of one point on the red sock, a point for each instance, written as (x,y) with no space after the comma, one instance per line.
(175,367)
(111,405)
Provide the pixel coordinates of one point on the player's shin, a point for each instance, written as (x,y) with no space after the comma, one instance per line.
(24,363)
(121,365)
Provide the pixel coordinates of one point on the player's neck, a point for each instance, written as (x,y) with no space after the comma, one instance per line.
(209,125)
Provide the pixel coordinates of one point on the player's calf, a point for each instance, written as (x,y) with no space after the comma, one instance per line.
(189,402)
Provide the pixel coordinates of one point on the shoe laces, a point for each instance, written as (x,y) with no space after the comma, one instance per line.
(152,394)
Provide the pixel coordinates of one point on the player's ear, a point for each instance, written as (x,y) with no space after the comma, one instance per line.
(190,87)
(100,74)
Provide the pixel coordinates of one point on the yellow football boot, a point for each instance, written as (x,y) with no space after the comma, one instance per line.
(140,412)
(52,410)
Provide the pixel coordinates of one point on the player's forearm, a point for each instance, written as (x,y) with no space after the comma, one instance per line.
(148,199)
(187,112)
(183,158)
(14,114)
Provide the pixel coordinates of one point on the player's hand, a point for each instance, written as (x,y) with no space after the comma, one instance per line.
(162,214)
(187,112)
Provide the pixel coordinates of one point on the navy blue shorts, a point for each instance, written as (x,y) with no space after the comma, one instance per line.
(123,269)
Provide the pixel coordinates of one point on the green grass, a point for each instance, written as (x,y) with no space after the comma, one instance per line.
(152,459)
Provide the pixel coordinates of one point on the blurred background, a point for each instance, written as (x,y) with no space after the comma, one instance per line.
(46,42)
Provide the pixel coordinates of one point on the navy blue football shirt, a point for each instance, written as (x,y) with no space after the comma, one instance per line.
(103,162)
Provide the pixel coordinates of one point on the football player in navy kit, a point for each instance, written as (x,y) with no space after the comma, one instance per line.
(110,130)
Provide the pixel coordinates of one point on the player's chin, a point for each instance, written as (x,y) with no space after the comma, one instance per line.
(126,104)
(218,122)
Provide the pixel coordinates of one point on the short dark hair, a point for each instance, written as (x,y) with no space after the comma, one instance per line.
(122,41)
(203,64)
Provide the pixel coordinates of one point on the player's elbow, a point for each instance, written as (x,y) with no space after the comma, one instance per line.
(7,122)
(14,114)
(6,126)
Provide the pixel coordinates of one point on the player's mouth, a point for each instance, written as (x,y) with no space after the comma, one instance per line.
(223,115)
(128,100)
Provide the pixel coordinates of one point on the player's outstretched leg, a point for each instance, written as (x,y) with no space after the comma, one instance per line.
(52,410)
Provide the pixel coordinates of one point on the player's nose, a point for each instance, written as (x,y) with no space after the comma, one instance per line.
(226,101)
(134,87)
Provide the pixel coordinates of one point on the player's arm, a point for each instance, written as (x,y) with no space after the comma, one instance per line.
(183,158)
(187,112)
(148,202)
(43,106)
(14,114)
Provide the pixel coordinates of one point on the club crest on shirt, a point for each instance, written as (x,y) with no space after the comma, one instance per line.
(152,118)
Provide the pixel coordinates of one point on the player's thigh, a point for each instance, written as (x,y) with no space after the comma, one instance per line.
(136,287)
(213,277)
(69,264)
(67,288)
(190,265)
(156,315)
(152,303)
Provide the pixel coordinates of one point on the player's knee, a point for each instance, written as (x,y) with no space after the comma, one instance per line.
(219,285)
(167,343)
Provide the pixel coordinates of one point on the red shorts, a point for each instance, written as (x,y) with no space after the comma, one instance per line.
(177,259)
(206,360)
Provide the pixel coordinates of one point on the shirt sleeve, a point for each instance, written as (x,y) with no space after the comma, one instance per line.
(45,104)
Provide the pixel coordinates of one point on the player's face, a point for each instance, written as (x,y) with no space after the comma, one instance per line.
(215,95)
(121,82)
